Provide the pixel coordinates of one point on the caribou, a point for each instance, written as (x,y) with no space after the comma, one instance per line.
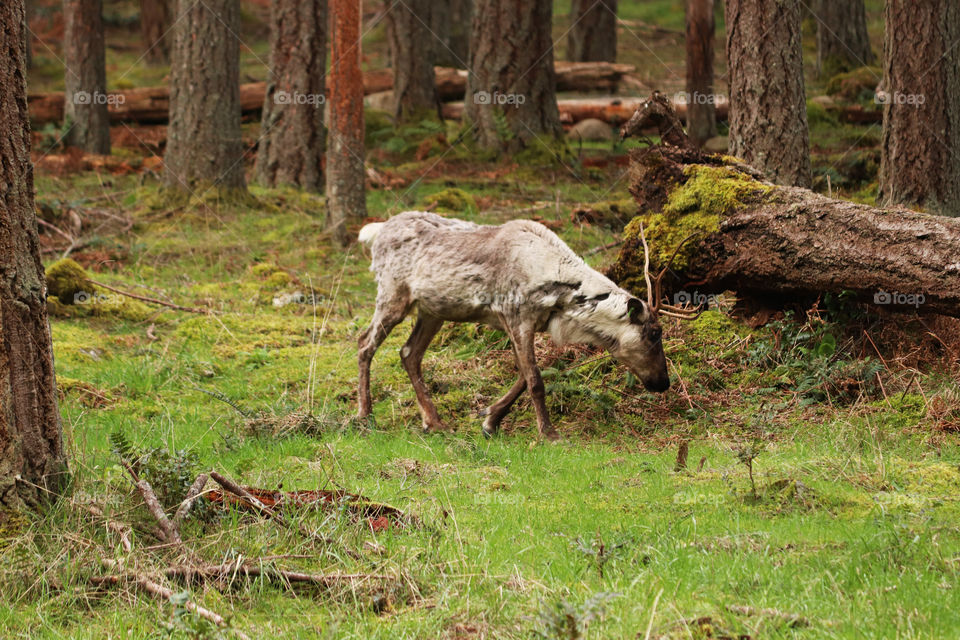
(519,277)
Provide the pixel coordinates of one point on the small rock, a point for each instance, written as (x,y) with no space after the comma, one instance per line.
(590,129)
(716,144)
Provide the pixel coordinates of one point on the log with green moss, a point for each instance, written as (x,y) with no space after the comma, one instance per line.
(773,243)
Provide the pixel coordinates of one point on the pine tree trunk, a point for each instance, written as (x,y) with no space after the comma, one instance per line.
(292,142)
(842,40)
(701,107)
(411,47)
(346,189)
(450,23)
(204,148)
(26,34)
(593,31)
(768,111)
(920,151)
(85,106)
(511,100)
(154,24)
(32,463)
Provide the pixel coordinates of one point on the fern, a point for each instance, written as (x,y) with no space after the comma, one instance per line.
(504,132)
(121,447)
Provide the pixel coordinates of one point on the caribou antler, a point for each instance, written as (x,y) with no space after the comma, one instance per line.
(654,287)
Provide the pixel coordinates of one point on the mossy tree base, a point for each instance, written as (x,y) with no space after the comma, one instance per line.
(777,242)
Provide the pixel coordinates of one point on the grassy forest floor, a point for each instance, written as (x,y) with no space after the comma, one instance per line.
(820,498)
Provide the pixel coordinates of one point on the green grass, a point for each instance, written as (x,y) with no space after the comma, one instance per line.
(866,545)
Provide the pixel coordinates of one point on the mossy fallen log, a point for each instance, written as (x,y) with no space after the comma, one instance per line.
(775,243)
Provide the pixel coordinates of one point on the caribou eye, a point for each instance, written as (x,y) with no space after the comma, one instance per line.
(656,333)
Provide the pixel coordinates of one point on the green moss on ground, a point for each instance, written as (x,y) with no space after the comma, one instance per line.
(450,200)
(857,85)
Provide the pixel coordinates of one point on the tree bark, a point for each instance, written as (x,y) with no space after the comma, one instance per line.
(411,48)
(768,114)
(701,102)
(204,147)
(346,188)
(511,100)
(450,22)
(28,39)
(842,40)
(760,239)
(292,141)
(154,25)
(593,32)
(920,149)
(32,463)
(85,106)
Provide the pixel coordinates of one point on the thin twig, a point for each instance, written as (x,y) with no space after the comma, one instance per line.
(161,591)
(192,495)
(150,300)
(601,248)
(218,571)
(167,528)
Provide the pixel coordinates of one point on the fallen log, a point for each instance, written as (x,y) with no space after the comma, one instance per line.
(772,242)
(150,105)
(614,111)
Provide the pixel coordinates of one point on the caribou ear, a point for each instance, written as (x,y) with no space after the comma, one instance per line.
(637,310)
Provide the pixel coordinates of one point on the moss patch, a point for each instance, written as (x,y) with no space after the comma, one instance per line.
(66,280)
(855,85)
(72,295)
(451,200)
(694,208)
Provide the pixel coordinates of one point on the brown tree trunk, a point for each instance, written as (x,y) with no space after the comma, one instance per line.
(768,111)
(154,24)
(292,142)
(85,105)
(510,99)
(920,152)
(842,40)
(346,189)
(593,31)
(775,242)
(32,463)
(204,148)
(26,34)
(450,22)
(701,104)
(411,47)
